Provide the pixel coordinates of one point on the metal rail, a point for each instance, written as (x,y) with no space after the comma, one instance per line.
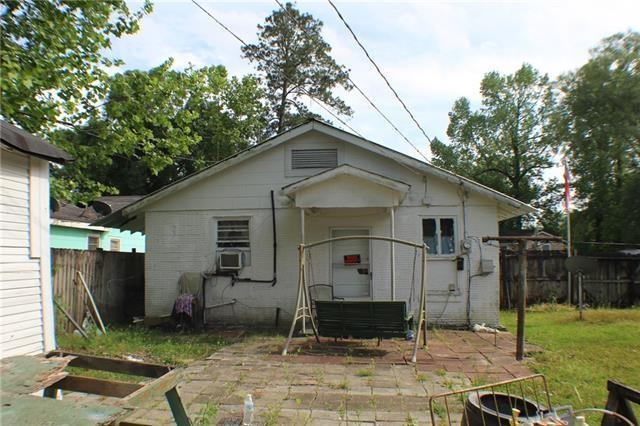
(366,237)
(530,389)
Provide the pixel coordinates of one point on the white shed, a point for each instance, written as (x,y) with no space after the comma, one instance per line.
(316,181)
(26,300)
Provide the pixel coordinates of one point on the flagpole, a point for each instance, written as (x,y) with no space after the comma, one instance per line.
(568,255)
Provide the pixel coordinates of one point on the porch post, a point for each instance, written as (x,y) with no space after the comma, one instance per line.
(393,254)
(302,225)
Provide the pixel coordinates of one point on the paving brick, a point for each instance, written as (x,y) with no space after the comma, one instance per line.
(320,386)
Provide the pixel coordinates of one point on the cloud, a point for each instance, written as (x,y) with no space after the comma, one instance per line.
(433,52)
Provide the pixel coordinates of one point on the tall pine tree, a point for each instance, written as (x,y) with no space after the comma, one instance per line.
(294,62)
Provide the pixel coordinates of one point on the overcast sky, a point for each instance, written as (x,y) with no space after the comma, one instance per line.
(433,52)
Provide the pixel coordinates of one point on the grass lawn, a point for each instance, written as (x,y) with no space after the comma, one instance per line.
(152,345)
(580,356)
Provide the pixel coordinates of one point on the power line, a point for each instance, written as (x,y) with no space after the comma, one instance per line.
(375,107)
(304,91)
(375,65)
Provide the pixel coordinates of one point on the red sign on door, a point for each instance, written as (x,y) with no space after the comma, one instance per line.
(352,259)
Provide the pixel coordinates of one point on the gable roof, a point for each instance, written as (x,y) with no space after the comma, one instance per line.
(510,206)
(27,143)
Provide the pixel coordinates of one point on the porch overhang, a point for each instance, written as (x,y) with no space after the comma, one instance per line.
(346,186)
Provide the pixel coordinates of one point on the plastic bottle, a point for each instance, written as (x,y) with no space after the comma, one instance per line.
(580,421)
(247,418)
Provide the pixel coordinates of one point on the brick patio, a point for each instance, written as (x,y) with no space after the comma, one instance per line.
(334,383)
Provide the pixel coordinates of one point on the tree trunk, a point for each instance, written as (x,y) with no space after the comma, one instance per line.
(282,107)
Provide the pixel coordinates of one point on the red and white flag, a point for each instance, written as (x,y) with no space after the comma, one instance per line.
(567,186)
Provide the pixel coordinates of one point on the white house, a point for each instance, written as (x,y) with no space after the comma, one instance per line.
(325,183)
(26,300)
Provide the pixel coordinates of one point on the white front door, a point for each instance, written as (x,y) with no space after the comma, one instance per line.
(350,265)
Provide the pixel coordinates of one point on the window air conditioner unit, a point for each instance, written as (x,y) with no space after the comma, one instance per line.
(230,260)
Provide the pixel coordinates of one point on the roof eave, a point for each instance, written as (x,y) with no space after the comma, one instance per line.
(129,212)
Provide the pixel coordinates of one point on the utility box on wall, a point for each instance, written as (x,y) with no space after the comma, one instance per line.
(487,266)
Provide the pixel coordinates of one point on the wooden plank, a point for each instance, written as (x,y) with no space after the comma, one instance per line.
(23,409)
(177,409)
(154,389)
(94,308)
(624,391)
(618,402)
(114,365)
(71,320)
(25,374)
(96,386)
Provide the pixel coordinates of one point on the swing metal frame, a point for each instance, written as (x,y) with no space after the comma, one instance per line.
(303,304)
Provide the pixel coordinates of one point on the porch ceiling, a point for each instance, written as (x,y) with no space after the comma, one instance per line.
(347,186)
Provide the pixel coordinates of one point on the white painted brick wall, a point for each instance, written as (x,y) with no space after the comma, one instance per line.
(180,239)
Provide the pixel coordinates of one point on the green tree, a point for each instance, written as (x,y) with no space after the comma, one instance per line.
(294,61)
(600,125)
(507,143)
(158,126)
(53,57)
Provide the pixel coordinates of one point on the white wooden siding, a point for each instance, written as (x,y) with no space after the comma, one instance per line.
(23,267)
(180,238)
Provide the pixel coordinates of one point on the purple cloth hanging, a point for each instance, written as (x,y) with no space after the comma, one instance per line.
(184,304)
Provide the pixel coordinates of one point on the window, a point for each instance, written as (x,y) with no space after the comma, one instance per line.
(314,158)
(93,242)
(114,244)
(439,235)
(233,234)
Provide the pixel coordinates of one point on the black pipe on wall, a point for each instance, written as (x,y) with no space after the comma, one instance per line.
(274,280)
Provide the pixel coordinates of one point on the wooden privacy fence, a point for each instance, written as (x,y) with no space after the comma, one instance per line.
(115,279)
(616,281)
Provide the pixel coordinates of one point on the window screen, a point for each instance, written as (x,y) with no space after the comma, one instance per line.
(114,244)
(430,235)
(447,238)
(233,234)
(439,235)
(314,158)
(93,242)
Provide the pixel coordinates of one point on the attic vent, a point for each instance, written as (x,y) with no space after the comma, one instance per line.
(314,158)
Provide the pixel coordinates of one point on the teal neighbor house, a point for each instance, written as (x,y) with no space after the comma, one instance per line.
(71,226)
